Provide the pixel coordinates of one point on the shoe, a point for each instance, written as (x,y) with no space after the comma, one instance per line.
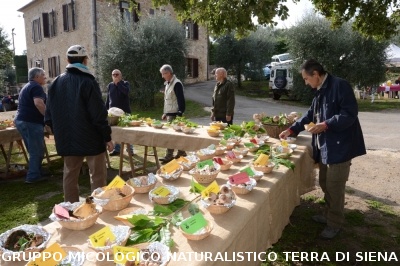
(114,153)
(329,232)
(133,152)
(37,180)
(166,159)
(319,218)
(180,155)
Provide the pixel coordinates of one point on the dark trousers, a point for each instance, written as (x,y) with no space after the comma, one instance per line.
(223,119)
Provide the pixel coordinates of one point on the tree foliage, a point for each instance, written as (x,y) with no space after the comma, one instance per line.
(139,51)
(343,52)
(255,50)
(6,60)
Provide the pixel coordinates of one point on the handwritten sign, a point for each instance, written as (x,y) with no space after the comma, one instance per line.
(239,178)
(194,223)
(61,212)
(201,164)
(49,257)
(213,187)
(262,160)
(162,191)
(247,170)
(170,167)
(102,236)
(117,182)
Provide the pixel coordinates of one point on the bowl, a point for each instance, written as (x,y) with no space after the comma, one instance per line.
(214,208)
(238,159)
(235,140)
(191,162)
(170,176)
(135,123)
(241,151)
(264,168)
(245,188)
(254,148)
(143,184)
(188,130)
(177,127)
(205,154)
(205,176)
(282,152)
(174,193)
(116,204)
(121,233)
(161,125)
(200,234)
(219,150)
(226,166)
(213,133)
(129,211)
(289,139)
(219,124)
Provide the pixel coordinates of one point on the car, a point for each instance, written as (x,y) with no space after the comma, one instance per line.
(281,81)
(9,103)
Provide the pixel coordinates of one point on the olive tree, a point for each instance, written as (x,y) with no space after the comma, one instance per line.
(343,52)
(139,51)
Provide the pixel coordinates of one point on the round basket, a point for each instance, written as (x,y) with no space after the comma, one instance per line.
(158,125)
(219,124)
(142,189)
(112,120)
(254,148)
(227,165)
(274,130)
(165,200)
(135,123)
(241,151)
(119,204)
(240,190)
(187,167)
(132,211)
(265,168)
(284,154)
(213,133)
(188,130)
(238,159)
(220,150)
(3,127)
(208,228)
(122,234)
(80,224)
(177,127)
(205,156)
(204,179)
(173,177)
(217,209)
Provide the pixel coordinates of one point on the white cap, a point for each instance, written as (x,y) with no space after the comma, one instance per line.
(76,51)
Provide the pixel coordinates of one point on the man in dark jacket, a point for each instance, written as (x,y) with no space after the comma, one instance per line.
(336,139)
(223,99)
(76,113)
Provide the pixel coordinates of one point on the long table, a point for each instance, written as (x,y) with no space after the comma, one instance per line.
(252,225)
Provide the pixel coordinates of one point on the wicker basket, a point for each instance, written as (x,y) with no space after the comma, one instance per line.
(226,166)
(238,159)
(274,130)
(109,249)
(205,179)
(241,151)
(113,120)
(219,124)
(209,227)
(80,224)
(286,153)
(240,190)
(142,189)
(119,204)
(220,150)
(205,156)
(135,123)
(265,169)
(158,125)
(132,211)
(213,133)
(175,176)
(217,209)
(165,200)
(254,148)
(2,127)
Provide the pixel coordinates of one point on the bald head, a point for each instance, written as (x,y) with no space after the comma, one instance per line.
(220,74)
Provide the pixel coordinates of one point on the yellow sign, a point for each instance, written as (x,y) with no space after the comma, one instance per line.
(162,191)
(117,182)
(262,160)
(170,167)
(213,187)
(124,254)
(51,256)
(102,236)
(182,159)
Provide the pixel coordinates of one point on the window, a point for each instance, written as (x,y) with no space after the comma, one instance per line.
(69,22)
(54,66)
(192,67)
(38,63)
(136,13)
(151,11)
(126,14)
(192,30)
(36,31)
(49,24)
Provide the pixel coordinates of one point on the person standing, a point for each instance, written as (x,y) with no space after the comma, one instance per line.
(223,99)
(336,139)
(118,96)
(29,122)
(77,115)
(174,104)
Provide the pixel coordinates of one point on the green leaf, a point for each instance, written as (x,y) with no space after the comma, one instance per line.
(161,210)
(193,208)
(141,236)
(176,218)
(139,220)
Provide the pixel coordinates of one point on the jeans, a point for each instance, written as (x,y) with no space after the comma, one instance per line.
(117,147)
(32,135)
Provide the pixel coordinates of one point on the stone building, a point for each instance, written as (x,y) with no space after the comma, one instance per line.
(51,26)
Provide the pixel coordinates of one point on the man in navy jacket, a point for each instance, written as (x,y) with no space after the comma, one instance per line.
(336,139)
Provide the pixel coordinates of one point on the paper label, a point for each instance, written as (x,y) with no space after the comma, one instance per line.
(194,223)
(213,187)
(218,160)
(197,186)
(284,143)
(262,159)
(248,170)
(231,155)
(253,141)
(201,164)
(100,238)
(182,160)
(124,254)
(170,167)
(249,144)
(161,191)
(239,178)
(61,212)
(49,257)
(117,182)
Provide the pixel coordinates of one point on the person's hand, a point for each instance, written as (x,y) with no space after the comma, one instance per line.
(228,118)
(48,129)
(284,134)
(164,117)
(116,79)
(110,146)
(317,128)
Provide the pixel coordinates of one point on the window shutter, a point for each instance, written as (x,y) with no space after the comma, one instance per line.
(65,17)
(195,31)
(46,30)
(40,30)
(58,66)
(195,68)
(53,17)
(33,32)
(73,14)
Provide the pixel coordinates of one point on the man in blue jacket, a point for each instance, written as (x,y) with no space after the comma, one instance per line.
(336,139)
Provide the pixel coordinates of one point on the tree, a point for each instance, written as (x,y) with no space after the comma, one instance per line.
(235,54)
(6,59)
(139,51)
(343,52)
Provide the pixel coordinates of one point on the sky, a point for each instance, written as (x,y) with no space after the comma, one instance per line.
(10,18)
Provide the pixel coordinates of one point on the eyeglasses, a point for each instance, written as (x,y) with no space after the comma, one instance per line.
(115,75)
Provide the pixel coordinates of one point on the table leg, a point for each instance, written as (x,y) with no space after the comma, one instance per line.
(130,158)
(121,158)
(156,157)
(8,157)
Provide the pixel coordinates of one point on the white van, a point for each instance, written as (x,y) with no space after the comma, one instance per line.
(281,59)
(281,79)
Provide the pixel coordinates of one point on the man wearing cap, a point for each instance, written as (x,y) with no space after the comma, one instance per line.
(118,96)
(76,113)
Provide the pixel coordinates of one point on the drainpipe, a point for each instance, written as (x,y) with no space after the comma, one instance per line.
(94,31)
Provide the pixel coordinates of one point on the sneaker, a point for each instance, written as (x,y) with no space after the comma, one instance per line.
(114,153)
(180,155)
(319,218)
(37,180)
(329,232)
(166,159)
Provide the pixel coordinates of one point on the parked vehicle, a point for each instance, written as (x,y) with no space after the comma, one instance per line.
(9,103)
(281,80)
(281,59)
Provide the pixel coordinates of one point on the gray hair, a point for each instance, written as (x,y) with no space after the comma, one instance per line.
(222,70)
(167,68)
(34,71)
